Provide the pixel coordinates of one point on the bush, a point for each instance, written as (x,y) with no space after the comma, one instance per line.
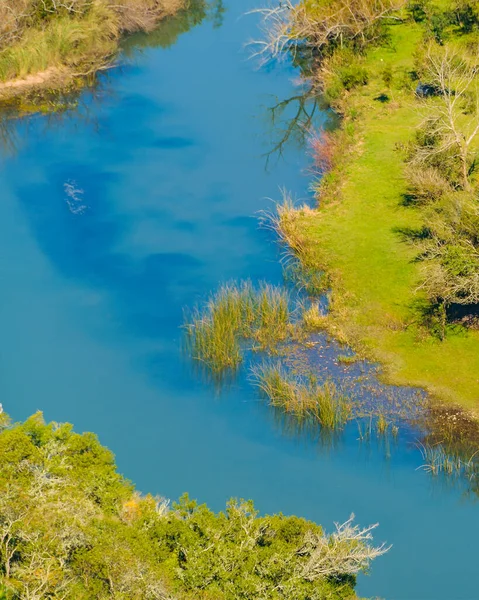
(425,185)
(72,527)
(342,73)
(430,149)
(418,9)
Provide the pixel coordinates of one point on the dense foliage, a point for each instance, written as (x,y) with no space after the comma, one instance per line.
(72,528)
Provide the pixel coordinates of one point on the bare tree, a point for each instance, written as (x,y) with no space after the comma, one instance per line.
(289,25)
(348,551)
(453,122)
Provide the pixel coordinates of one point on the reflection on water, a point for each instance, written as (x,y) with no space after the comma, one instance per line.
(55,106)
(169,156)
(169,30)
(292,121)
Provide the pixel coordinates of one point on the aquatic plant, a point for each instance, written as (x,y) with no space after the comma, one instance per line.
(313,318)
(437,459)
(237,313)
(304,398)
(382,424)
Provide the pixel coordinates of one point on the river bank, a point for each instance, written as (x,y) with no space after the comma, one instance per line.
(52,46)
(362,233)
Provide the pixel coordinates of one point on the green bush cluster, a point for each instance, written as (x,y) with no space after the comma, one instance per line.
(442,22)
(72,528)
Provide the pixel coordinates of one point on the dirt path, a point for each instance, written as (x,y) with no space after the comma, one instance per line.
(36,80)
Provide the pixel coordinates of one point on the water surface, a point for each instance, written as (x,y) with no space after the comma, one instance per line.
(137,204)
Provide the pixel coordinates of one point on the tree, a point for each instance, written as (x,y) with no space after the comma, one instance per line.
(452,122)
(72,529)
(324,24)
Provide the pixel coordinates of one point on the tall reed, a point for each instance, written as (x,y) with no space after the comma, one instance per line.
(324,403)
(237,313)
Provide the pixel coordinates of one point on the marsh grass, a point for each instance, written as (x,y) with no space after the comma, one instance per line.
(300,265)
(234,315)
(382,424)
(438,460)
(312,317)
(346,359)
(307,279)
(305,398)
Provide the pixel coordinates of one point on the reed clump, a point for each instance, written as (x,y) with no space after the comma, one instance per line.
(235,314)
(306,399)
(438,460)
(313,318)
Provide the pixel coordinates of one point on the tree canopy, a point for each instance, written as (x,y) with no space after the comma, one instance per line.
(71,527)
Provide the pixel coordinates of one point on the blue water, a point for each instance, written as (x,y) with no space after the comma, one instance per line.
(130,208)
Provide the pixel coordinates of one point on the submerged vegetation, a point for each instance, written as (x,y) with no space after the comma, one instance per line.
(395,234)
(71,527)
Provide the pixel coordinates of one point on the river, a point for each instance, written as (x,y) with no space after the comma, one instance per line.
(137,204)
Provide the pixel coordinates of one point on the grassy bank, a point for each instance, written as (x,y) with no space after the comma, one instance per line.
(360,234)
(50,44)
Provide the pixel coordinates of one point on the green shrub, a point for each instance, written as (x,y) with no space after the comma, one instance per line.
(426,184)
(72,527)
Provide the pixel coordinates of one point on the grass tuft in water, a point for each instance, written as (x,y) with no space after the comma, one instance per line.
(313,318)
(234,314)
(324,403)
(382,424)
(438,460)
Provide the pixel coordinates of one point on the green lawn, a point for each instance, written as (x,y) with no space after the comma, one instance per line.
(373,273)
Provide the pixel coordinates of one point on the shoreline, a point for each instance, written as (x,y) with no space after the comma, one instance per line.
(355,238)
(66,50)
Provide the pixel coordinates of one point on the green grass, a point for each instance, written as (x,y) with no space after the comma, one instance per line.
(65,43)
(372,272)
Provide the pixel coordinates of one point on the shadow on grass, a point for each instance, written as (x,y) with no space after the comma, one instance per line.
(412,234)
(383,98)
